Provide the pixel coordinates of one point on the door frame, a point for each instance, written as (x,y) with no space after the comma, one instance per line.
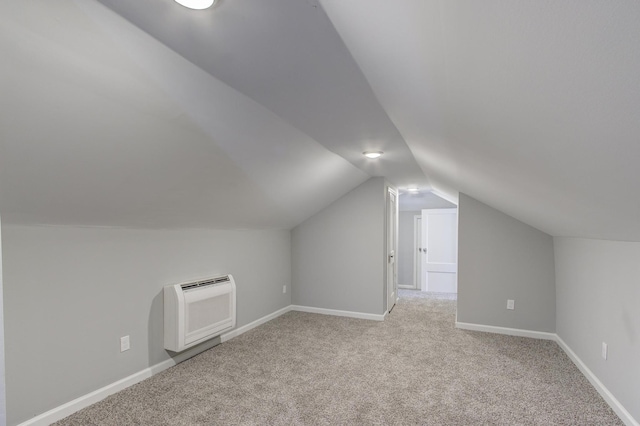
(417,252)
(391,247)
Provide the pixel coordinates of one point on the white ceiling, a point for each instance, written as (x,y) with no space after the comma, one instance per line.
(287,56)
(103,125)
(255,113)
(532,107)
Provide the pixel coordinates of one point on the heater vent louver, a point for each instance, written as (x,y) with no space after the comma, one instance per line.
(212,281)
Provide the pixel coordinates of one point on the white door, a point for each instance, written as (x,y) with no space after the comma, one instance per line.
(392,246)
(440,250)
(417,252)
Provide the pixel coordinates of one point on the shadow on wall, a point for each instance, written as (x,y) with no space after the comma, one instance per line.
(155,330)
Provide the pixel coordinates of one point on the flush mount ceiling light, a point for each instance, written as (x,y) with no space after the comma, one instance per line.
(372,154)
(196,4)
(413,190)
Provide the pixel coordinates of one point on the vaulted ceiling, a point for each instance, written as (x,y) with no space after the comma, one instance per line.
(532,107)
(254,114)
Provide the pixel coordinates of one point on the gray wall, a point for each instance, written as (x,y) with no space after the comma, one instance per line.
(405,247)
(71,293)
(501,258)
(3,407)
(598,300)
(338,254)
(427,200)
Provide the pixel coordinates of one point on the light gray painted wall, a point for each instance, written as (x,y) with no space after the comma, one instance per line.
(501,258)
(71,293)
(338,254)
(405,247)
(598,300)
(428,200)
(3,406)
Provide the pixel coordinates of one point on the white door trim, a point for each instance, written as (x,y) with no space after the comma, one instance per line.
(391,248)
(417,255)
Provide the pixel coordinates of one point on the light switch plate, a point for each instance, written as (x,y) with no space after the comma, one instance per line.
(124,344)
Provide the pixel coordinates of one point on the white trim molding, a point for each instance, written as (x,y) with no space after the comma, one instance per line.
(615,405)
(337,313)
(508,331)
(91,398)
(84,401)
(238,331)
(613,402)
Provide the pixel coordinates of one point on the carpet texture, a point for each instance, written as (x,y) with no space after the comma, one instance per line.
(413,368)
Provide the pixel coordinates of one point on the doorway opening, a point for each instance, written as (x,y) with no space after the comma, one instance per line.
(427,246)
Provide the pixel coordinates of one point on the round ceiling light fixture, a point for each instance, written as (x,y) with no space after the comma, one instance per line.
(196,4)
(413,190)
(372,154)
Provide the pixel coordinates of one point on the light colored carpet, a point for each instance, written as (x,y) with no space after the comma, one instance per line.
(406,293)
(413,368)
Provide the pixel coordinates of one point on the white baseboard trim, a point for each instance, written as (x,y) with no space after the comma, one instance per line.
(337,313)
(84,401)
(91,398)
(615,405)
(508,331)
(238,331)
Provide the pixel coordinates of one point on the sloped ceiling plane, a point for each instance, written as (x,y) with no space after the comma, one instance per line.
(255,114)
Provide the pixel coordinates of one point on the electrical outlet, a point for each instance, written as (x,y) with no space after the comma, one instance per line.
(605,350)
(511,304)
(124,344)
(284,289)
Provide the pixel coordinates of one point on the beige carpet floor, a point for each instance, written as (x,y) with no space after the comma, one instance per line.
(413,368)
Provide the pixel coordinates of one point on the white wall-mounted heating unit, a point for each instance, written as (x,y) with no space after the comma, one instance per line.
(197,311)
